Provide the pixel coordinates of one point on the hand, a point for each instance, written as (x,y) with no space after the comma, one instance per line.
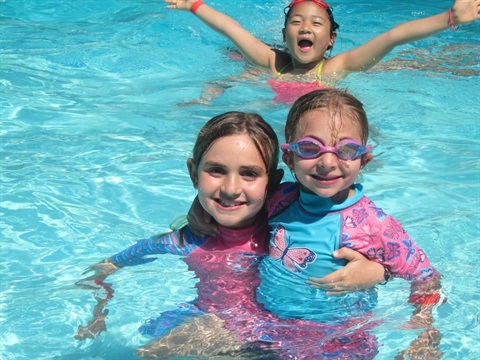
(465,11)
(101,271)
(199,220)
(424,347)
(179,4)
(95,326)
(360,273)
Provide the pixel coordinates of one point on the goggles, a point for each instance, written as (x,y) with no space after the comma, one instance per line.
(320,3)
(310,148)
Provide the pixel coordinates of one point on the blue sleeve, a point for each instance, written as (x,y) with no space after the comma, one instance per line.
(159,244)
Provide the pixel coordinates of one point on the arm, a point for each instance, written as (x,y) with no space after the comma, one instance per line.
(424,296)
(425,346)
(365,56)
(359,273)
(97,325)
(254,50)
(133,255)
(103,292)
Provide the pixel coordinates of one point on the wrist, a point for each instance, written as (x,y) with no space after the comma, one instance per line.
(387,275)
(451,23)
(195,6)
(424,299)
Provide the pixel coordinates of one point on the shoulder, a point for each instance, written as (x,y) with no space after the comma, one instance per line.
(179,241)
(364,210)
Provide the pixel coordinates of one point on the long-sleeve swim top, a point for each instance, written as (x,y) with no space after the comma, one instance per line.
(319,226)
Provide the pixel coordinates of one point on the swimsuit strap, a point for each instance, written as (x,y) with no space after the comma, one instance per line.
(281,70)
(319,71)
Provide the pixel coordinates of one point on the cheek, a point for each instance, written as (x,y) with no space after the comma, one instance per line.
(302,165)
(258,192)
(350,167)
(206,182)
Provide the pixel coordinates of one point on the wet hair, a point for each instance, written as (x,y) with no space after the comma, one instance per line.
(238,123)
(335,101)
(333,24)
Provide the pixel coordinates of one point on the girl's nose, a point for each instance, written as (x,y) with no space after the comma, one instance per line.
(328,161)
(231,186)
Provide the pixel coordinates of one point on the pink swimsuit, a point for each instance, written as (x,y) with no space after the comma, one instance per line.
(288,92)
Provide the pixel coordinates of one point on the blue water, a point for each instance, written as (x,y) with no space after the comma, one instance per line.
(94,141)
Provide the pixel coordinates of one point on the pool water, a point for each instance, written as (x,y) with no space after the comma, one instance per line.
(96,130)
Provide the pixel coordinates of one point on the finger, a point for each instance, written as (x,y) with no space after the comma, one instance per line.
(337,293)
(336,276)
(345,253)
(318,284)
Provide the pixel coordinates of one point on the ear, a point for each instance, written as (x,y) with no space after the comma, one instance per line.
(288,160)
(366,159)
(283,34)
(192,172)
(332,41)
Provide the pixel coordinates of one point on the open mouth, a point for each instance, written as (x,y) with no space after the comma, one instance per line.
(305,45)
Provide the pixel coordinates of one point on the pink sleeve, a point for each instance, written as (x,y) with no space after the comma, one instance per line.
(284,195)
(378,236)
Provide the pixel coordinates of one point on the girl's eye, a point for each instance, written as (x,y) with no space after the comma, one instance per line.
(216,170)
(249,175)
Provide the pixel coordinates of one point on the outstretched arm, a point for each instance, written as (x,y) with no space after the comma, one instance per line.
(365,56)
(133,255)
(254,50)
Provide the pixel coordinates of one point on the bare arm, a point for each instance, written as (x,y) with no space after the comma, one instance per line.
(365,56)
(103,292)
(254,50)
(424,296)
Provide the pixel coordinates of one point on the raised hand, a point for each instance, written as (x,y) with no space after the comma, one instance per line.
(465,11)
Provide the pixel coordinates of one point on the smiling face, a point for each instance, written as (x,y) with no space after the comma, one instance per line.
(307,34)
(327,176)
(231,179)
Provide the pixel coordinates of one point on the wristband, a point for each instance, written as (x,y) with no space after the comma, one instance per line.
(450,20)
(195,6)
(427,299)
(387,275)
(107,292)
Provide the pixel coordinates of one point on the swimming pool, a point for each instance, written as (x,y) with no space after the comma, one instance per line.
(94,144)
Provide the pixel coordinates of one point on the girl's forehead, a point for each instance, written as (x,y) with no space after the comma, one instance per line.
(238,149)
(322,124)
(308,8)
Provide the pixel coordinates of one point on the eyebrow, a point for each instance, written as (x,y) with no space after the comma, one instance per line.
(244,167)
(258,169)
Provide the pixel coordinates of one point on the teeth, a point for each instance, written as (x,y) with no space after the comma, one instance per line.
(226,204)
